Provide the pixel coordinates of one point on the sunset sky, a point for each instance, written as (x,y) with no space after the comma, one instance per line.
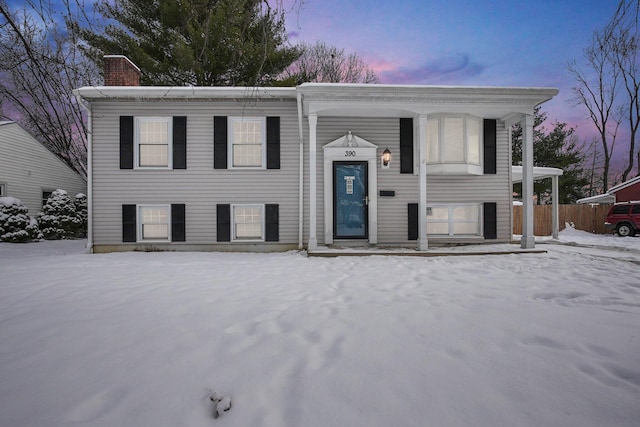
(462,42)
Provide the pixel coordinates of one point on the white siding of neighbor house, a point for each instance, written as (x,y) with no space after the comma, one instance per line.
(27,168)
(392,211)
(200,187)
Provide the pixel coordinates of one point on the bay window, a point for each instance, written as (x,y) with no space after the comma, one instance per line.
(453,144)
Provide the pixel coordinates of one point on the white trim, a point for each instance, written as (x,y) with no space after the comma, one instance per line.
(139,223)
(263,142)
(136,141)
(261,206)
(351,148)
(313,186)
(3,189)
(423,240)
(625,184)
(443,167)
(451,219)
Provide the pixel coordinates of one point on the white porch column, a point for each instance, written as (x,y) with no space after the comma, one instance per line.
(555,209)
(527,241)
(423,244)
(313,239)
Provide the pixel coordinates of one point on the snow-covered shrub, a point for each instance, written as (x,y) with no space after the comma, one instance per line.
(81,211)
(16,226)
(59,219)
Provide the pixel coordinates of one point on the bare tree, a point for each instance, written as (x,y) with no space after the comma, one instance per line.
(328,64)
(596,89)
(40,65)
(624,53)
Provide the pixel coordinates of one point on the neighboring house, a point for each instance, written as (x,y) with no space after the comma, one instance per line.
(263,169)
(30,172)
(625,192)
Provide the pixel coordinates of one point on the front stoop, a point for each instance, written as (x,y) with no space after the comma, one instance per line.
(499,249)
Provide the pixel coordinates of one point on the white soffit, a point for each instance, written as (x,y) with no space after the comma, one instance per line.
(539,172)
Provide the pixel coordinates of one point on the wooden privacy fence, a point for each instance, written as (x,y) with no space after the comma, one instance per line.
(584,217)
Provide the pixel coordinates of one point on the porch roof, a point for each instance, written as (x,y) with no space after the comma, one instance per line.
(539,172)
(371,100)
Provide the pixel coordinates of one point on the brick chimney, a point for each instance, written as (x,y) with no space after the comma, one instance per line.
(120,71)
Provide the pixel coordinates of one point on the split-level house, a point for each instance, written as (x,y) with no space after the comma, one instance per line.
(270,169)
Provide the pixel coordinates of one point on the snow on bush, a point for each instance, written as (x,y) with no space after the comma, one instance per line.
(59,219)
(81,211)
(16,226)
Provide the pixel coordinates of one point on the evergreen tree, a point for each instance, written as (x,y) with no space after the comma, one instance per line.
(198,42)
(59,219)
(557,149)
(16,226)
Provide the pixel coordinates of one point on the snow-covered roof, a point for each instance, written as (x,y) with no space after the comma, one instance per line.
(600,198)
(539,172)
(609,196)
(370,100)
(183,92)
(624,185)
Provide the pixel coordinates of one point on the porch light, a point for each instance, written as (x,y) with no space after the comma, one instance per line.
(386,158)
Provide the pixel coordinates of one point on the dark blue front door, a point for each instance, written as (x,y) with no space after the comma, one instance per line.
(350,200)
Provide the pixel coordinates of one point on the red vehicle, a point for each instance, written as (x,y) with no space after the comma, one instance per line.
(624,218)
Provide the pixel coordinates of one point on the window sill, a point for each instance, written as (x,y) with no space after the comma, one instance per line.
(454,169)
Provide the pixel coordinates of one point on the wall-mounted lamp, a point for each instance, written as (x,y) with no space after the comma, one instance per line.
(386,158)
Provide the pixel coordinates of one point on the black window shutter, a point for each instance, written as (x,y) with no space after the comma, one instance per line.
(412,221)
(489,137)
(490,221)
(180,142)
(273,142)
(126,142)
(271,220)
(220,142)
(406,145)
(178,223)
(223,226)
(129,229)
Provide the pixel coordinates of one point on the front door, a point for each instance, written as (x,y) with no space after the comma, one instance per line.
(350,200)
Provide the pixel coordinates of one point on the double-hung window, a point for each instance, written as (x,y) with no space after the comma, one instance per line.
(153,142)
(454,220)
(247,142)
(154,223)
(248,222)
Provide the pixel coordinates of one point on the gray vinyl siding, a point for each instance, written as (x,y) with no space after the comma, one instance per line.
(200,187)
(27,169)
(445,189)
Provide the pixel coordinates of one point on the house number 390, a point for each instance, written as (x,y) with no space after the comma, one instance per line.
(349,153)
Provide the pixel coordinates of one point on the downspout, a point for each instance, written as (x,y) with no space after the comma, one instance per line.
(301,179)
(87,107)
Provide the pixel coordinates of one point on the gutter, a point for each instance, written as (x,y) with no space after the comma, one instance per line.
(87,107)
(301,178)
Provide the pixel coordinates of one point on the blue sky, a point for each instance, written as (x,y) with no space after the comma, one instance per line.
(462,42)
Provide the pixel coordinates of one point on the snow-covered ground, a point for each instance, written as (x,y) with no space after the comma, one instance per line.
(143,339)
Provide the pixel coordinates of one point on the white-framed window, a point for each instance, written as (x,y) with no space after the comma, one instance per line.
(454,220)
(3,190)
(45,196)
(247,222)
(153,142)
(247,142)
(454,140)
(154,223)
